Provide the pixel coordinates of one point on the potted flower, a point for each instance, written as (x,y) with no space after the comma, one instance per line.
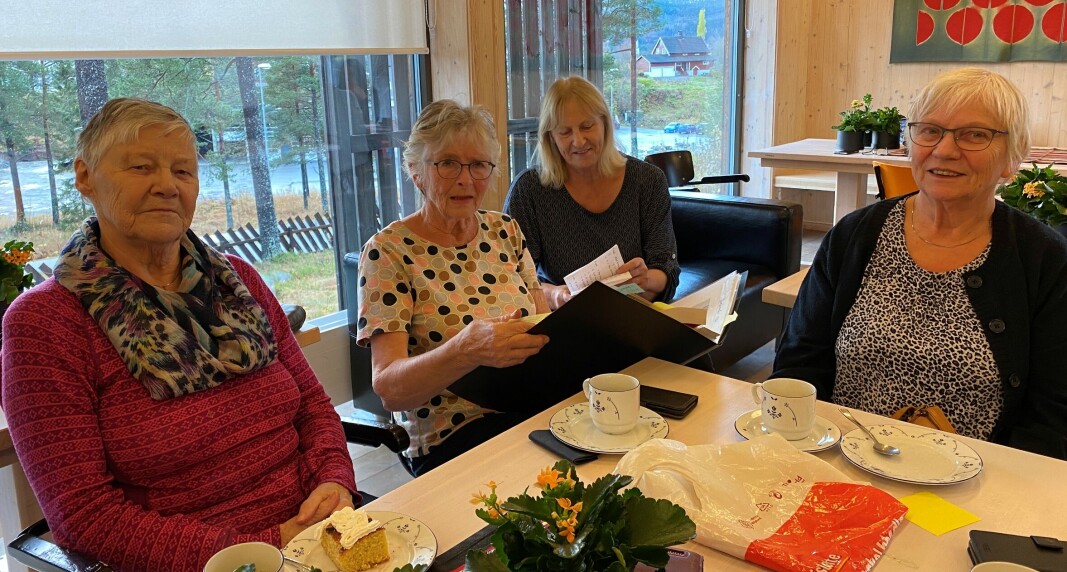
(13,276)
(855,121)
(1041,192)
(573,526)
(885,124)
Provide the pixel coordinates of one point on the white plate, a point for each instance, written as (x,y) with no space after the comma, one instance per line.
(573,426)
(823,435)
(410,541)
(927,457)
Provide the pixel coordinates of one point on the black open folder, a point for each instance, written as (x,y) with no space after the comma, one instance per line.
(600,330)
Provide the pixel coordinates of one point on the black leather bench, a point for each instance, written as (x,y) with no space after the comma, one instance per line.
(718,234)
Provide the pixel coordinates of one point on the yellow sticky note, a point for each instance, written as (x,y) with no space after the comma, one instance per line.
(935,514)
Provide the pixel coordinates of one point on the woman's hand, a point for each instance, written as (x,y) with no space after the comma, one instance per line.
(499,342)
(321,503)
(556,295)
(652,281)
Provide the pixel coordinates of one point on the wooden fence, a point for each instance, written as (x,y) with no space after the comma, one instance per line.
(298,234)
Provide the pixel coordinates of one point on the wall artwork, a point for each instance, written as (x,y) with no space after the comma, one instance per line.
(979,31)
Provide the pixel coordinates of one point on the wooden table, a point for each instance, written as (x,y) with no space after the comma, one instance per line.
(784,292)
(1017,492)
(818,155)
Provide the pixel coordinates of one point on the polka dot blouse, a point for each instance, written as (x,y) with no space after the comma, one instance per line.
(409,284)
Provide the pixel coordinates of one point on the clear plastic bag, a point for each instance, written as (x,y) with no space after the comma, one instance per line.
(766,502)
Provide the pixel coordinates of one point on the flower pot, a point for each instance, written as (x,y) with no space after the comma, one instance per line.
(884,140)
(849,141)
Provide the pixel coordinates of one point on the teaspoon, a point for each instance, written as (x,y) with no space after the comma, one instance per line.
(878,445)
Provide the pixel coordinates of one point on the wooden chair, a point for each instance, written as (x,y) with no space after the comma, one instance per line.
(893,180)
(678,166)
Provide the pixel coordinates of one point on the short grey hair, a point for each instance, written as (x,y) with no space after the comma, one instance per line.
(441,123)
(553,169)
(120,121)
(971,85)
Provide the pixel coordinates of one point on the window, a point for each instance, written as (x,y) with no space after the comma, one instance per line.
(262,108)
(669,70)
(238,107)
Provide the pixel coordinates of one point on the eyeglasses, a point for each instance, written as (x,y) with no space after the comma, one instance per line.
(451,169)
(967,138)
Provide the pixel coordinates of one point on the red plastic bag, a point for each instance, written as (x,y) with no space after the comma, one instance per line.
(766,502)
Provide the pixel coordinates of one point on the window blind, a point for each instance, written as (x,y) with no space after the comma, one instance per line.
(86,29)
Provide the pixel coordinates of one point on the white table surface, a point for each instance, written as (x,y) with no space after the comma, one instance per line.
(1017,492)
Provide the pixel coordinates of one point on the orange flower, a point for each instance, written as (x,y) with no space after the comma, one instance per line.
(479,498)
(565,503)
(548,478)
(1032,190)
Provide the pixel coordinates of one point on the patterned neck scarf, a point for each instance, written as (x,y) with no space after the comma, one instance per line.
(175,343)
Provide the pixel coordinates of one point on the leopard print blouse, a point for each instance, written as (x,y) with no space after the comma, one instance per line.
(913,338)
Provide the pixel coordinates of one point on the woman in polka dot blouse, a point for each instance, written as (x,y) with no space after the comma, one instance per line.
(442,291)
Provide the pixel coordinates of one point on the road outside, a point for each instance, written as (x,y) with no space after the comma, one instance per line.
(285,179)
(36,196)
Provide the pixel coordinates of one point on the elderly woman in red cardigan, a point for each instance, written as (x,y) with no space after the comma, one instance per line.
(158,401)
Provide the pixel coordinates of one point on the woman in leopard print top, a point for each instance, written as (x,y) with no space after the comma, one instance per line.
(944,297)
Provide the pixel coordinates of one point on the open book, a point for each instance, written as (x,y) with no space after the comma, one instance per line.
(717,310)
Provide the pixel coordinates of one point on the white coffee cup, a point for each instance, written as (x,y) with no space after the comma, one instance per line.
(266,557)
(614,399)
(787,406)
(1001,567)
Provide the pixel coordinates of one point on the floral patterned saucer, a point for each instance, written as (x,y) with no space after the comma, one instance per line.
(927,456)
(573,426)
(410,542)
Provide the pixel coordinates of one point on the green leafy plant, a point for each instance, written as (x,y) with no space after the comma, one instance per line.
(1039,191)
(572,527)
(13,276)
(857,117)
(886,120)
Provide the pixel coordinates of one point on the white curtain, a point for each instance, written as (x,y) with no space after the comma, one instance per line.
(84,29)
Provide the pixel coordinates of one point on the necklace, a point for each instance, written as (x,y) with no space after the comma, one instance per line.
(455,242)
(168,284)
(920,237)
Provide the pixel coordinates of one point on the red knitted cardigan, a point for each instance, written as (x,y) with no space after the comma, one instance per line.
(150,485)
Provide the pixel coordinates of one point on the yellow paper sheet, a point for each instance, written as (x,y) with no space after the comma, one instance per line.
(935,514)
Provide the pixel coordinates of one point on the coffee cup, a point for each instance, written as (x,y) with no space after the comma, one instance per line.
(265,557)
(614,399)
(787,406)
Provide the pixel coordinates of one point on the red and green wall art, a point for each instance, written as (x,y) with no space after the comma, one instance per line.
(979,31)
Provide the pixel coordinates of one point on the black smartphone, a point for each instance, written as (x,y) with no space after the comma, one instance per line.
(1038,552)
(666,402)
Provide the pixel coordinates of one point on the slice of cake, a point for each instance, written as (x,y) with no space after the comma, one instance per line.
(354,541)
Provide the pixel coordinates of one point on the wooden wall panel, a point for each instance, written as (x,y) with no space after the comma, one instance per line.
(825,53)
(848,56)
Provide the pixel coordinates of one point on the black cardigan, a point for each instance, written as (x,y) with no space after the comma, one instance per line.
(1019,295)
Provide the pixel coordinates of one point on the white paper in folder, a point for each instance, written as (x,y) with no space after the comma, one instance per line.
(601,269)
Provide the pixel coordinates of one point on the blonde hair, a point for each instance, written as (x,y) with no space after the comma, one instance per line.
(120,121)
(963,86)
(552,169)
(441,123)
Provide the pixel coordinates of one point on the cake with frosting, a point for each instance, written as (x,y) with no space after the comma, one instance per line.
(354,541)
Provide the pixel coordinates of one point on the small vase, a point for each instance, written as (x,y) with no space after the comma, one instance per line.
(867,139)
(883,140)
(849,141)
